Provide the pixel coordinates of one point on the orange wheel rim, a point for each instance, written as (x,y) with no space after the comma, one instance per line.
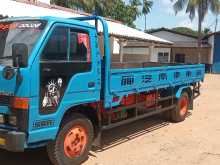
(183,106)
(75,141)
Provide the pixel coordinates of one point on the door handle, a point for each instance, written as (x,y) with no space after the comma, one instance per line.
(46,69)
(91,84)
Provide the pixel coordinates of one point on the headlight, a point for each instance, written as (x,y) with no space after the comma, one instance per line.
(2,120)
(12,120)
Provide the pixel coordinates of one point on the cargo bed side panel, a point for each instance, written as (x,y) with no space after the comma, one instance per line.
(136,80)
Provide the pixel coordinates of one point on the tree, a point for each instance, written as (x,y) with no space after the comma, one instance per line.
(201,7)
(147,5)
(207,31)
(115,9)
(121,12)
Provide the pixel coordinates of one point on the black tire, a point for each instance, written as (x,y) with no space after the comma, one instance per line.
(182,107)
(55,148)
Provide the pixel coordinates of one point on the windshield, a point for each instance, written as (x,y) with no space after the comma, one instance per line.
(22,32)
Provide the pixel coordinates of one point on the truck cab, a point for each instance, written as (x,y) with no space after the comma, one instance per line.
(43,61)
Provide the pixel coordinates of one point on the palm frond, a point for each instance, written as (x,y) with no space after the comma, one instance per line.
(214,6)
(204,8)
(191,10)
(147,5)
(179,5)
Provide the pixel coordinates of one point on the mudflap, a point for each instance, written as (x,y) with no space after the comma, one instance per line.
(97,143)
(191,103)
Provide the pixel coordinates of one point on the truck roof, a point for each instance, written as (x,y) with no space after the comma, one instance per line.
(50,19)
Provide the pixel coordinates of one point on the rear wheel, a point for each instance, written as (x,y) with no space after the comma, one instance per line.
(73,141)
(182,108)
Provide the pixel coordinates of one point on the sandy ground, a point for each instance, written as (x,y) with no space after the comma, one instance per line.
(153,141)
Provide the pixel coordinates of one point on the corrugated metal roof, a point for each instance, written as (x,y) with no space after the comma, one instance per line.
(118,29)
(13,8)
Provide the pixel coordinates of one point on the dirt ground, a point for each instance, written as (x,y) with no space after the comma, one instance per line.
(153,141)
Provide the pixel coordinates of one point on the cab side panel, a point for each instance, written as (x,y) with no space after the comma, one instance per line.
(68,84)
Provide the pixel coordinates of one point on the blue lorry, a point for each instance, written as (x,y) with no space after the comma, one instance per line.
(57,90)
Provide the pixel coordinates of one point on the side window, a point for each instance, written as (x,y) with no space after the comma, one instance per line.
(79,46)
(56,47)
(163,57)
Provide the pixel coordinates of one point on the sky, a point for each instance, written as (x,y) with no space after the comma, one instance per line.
(163,15)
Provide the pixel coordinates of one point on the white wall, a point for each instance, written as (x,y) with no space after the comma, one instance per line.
(174,37)
(116,46)
(141,51)
(154,57)
(211,41)
(136,51)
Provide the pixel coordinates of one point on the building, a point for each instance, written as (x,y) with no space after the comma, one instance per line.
(185,48)
(148,52)
(214,40)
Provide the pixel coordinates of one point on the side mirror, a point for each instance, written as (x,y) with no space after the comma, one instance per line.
(20,55)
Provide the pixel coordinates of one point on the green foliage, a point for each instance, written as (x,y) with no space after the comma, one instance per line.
(192,32)
(186,30)
(115,9)
(207,31)
(147,5)
(200,6)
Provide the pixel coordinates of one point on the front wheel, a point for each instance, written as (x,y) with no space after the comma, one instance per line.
(182,107)
(73,141)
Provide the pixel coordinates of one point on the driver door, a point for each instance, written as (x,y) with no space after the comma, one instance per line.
(67,76)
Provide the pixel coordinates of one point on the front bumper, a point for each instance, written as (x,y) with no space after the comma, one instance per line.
(12,140)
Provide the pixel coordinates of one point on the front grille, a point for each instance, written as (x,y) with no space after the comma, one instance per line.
(4,100)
